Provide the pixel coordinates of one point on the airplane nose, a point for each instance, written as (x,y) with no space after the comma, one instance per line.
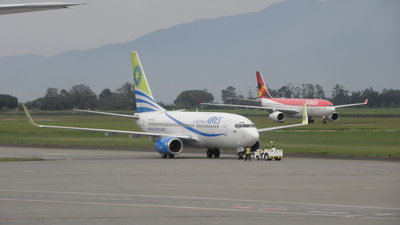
(252,135)
(255,134)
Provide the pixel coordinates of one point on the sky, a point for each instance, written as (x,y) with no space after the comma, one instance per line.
(102,22)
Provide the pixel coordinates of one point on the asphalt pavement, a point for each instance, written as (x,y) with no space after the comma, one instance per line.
(80,186)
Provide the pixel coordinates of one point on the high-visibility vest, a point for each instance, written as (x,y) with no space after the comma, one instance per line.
(248,150)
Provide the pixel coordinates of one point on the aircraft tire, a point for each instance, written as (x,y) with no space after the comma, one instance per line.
(216,152)
(209,153)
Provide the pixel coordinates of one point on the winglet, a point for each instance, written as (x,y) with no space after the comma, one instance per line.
(28,115)
(304,122)
(366,101)
(305,116)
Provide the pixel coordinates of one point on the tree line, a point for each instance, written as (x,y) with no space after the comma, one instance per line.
(123,98)
(82,97)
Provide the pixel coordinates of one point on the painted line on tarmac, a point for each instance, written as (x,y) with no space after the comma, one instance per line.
(202,198)
(185,207)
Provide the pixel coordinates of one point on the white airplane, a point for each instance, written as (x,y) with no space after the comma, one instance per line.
(280,108)
(171,130)
(29,7)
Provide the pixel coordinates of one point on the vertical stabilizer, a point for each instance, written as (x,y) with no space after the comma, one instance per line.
(262,87)
(144,98)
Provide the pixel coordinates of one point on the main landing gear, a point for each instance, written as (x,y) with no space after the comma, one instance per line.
(310,120)
(164,156)
(213,152)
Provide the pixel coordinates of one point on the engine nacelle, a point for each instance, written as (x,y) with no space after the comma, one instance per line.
(333,117)
(277,116)
(169,145)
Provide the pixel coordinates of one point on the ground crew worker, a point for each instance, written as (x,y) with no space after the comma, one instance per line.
(240,152)
(248,152)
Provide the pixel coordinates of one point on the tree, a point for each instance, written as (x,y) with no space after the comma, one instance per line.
(296,91)
(113,101)
(191,98)
(35,104)
(105,94)
(55,100)
(284,92)
(52,100)
(319,92)
(372,96)
(340,95)
(65,98)
(8,101)
(251,94)
(390,98)
(82,97)
(128,91)
(308,91)
(228,94)
(356,96)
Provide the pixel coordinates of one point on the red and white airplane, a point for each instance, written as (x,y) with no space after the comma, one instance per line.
(280,108)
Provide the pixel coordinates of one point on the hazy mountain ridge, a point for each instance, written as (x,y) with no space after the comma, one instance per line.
(350,42)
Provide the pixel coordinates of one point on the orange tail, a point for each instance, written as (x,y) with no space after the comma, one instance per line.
(262,87)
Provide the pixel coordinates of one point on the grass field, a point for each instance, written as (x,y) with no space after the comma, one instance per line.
(374,134)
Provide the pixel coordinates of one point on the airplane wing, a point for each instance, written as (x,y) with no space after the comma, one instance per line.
(270,109)
(348,105)
(29,7)
(106,113)
(246,99)
(136,133)
(304,122)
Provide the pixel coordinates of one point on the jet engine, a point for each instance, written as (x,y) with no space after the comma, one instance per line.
(277,116)
(333,117)
(168,145)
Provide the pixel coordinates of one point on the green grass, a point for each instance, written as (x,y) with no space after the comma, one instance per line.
(19,159)
(374,136)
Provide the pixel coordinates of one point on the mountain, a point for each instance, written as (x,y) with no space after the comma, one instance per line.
(349,42)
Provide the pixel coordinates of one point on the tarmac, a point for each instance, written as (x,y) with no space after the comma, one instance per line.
(81,186)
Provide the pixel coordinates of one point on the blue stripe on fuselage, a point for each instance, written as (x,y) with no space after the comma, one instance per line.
(192,129)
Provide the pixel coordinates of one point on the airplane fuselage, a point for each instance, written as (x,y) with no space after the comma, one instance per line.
(208,129)
(315,107)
